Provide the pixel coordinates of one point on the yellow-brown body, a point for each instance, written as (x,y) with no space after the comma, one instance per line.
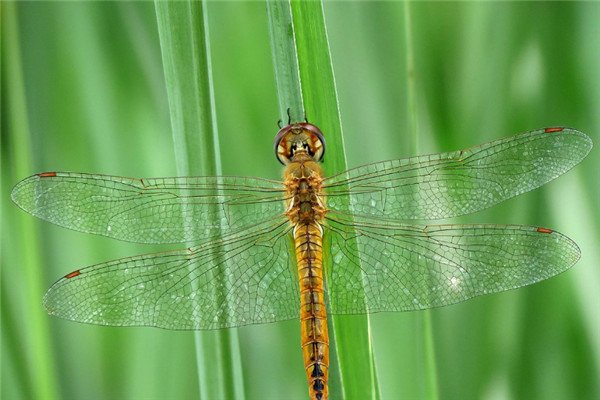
(303,179)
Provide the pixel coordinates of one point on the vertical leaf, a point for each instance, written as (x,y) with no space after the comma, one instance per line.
(285,59)
(32,363)
(186,59)
(298,34)
(424,317)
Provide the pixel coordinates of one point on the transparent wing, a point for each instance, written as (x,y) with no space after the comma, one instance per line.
(160,210)
(375,267)
(241,279)
(451,184)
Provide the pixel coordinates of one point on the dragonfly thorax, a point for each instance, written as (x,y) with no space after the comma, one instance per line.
(303,181)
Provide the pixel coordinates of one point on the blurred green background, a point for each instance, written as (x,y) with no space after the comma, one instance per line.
(83,90)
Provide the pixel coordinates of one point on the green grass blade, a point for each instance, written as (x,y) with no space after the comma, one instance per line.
(352,367)
(21,250)
(351,335)
(424,318)
(186,59)
(285,60)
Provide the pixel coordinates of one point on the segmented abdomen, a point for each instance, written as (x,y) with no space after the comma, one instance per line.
(313,317)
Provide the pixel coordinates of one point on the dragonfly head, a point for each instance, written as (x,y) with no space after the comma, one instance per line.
(300,139)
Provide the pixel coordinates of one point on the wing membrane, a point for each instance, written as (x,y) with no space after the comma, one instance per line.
(241,279)
(160,210)
(403,268)
(451,184)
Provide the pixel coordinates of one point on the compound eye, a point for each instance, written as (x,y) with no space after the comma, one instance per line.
(286,142)
(316,142)
(283,145)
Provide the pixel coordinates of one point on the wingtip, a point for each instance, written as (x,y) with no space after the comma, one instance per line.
(14,193)
(589,143)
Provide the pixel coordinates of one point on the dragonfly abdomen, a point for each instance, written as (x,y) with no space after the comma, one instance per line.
(305,211)
(313,316)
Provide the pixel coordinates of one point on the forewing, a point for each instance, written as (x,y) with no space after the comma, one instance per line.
(160,210)
(447,185)
(373,267)
(237,280)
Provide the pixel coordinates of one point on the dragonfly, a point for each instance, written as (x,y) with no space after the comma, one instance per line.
(307,246)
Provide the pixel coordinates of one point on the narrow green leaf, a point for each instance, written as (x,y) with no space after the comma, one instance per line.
(34,362)
(298,34)
(186,58)
(351,335)
(424,317)
(285,60)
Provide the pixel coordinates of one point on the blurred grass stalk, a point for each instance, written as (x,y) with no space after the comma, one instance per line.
(427,353)
(184,42)
(305,83)
(35,362)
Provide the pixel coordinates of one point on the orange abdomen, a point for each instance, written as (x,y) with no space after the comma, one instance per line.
(313,317)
